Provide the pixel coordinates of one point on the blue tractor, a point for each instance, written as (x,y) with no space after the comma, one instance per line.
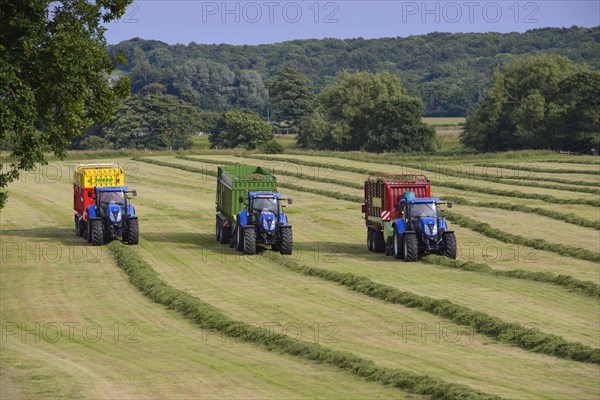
(421,229)
(262,221)
(111,216)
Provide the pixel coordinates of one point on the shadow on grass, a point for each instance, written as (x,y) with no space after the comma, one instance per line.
(179,237)
(62,235)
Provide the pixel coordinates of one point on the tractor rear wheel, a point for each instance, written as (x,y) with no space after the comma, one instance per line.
(88,231)
(82,228)
(218,229)
(369,239)
(397,246)
(133,231)
(97,233)
(249,241)
(449,249)
(225,235)
(77,230)
(287,240)
(411,248)
(378,242)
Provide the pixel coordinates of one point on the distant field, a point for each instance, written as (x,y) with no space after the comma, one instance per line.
(450,121)
(51,280)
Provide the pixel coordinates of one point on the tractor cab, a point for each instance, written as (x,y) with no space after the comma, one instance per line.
(266,209)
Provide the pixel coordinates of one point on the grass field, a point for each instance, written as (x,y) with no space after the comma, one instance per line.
(76,325)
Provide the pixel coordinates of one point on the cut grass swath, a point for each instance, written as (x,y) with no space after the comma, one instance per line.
(569,218)
(491,326)
(452,185)
(538,244)
(326,193)
(426,166)
(507,332)
(353,185)
(585,287)
(464,221)
(540,170)
(143,277)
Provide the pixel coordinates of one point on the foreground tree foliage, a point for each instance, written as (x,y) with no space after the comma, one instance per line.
(241,128)
(157,121)
(365,111)
(53,83)
(538,102)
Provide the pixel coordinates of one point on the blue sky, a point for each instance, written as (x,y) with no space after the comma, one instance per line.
(269,21)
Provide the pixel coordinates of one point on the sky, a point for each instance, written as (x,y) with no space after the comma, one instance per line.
(270,21)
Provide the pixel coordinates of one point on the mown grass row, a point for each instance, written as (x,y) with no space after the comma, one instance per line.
(143,277)
(531,181)
(564,217)
(459,219)
(569,218)
(519,167)
(451,185)
(292,186)
(300,175)
(585,287)
(571,161)
(538,244)
(507,332)
(426,166)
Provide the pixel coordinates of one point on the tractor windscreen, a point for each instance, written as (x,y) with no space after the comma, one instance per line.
(107,198)
(421,210)
(266,204)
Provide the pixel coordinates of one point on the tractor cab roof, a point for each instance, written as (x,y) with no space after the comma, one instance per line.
(264,195)
(111,188)
(421,201)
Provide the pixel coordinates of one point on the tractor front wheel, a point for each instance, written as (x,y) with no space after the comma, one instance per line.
(239,239)
(449,245)
(133,231)
(411,247)
(286,241)
(249,241)
(97,233)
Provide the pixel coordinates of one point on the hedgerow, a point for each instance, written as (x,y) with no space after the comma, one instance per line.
(493,327)
(143,277)
(585,287)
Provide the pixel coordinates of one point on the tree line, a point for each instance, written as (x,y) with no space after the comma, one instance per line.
(450,73)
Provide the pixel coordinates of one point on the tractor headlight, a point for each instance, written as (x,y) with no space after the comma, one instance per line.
(115,216)
(431,230)
(265,224)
